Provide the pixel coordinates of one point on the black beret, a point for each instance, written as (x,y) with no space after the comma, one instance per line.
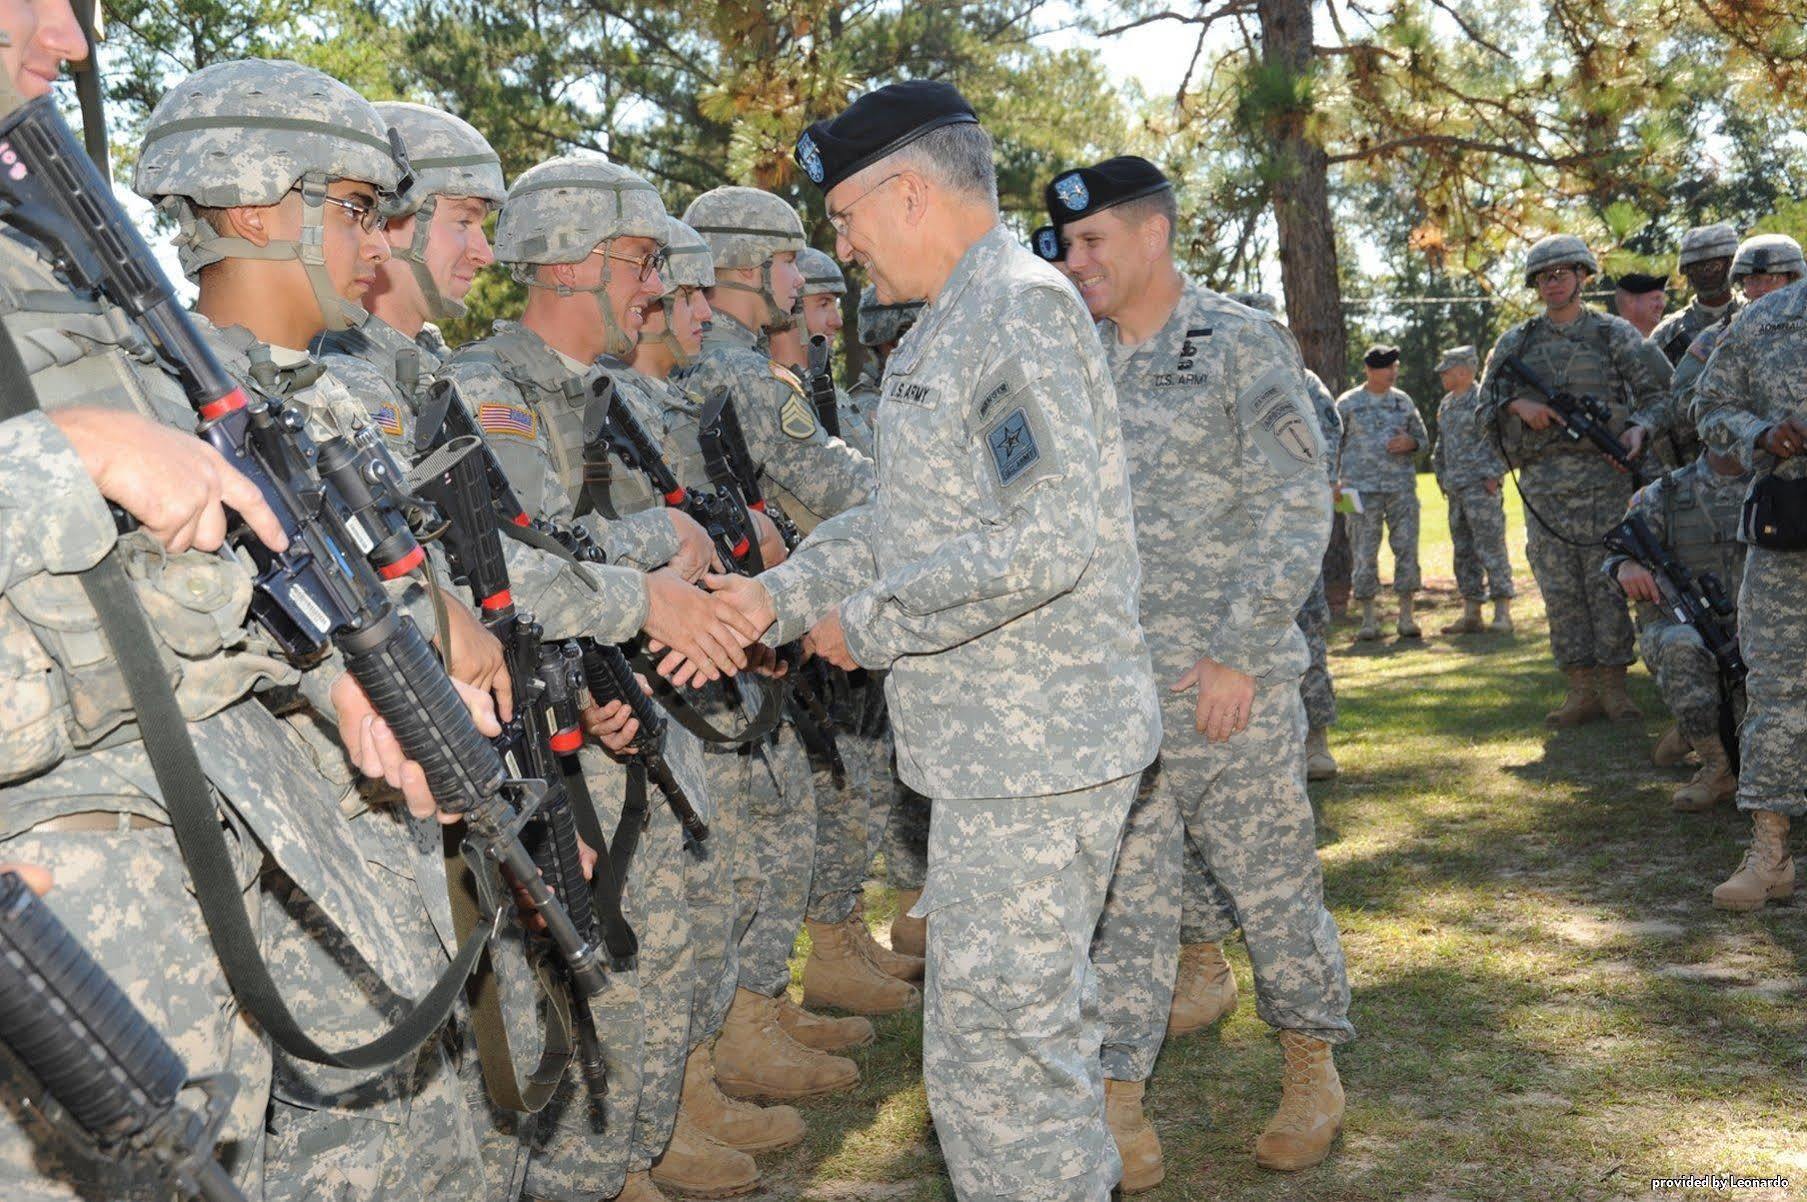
(879,123)
(1381,356)
(1087,190)
(1045,242)
(1637,282)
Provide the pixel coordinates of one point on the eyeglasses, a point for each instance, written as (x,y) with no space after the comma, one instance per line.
(1554,275)
(644,266)
(368,217)
(839,220)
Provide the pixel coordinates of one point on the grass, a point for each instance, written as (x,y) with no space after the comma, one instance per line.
(1547,1005)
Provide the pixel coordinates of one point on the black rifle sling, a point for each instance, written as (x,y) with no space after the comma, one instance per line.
(188,799)
(608,880)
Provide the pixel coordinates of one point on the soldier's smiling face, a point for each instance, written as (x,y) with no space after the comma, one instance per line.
(822,314)
(42,35)
(457,248)
(1107,260)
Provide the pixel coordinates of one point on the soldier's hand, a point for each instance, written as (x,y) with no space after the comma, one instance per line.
(1638,583)
(1401,444)
(771,543)
(706,631)
(1634,440)
(613,725)
(176,486)
(476,655)
(378,755)
(827,640)
(1535,414)
(1225,698)
(749,598)
(1492,486)
(696,553)
(1786,439)
(36,879)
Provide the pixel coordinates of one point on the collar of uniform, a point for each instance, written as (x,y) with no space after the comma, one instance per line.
(1583,323)
(1715,311)
(994,243)
(1191,294)
(723,328)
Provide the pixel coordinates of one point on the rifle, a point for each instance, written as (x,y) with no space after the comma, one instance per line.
(821,385)
(338,502)
(90,1050)
(609,677)
(1583,417)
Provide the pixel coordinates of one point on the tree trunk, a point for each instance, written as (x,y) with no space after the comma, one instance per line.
(1307,239)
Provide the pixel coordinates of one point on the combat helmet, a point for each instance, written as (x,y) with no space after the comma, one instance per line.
(880,323)
(822,276)
(747,228)
(247,133)
(1553,251)
(1768,254)
(688,264)
(564,209)
(1704,242)
(446,156)
(1262,301)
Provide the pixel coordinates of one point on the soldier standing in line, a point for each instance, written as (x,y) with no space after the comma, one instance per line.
(1706,258)
(1467,463)
(1382,435)
(1764,263)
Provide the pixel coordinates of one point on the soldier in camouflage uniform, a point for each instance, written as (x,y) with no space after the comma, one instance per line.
(1764,263)
(1749,407)
(807,475)
(1382,435)
(1232,514)
(997,556)
(1467,463)
(1568,484)
(1693,511)
(274,173)
(881,327)
(1706,257)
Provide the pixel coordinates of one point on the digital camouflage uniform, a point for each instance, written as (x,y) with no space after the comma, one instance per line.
(1316,687)
(1567,483)
(1672,428)
(1388,484)
(1754,381)
(1465,457)
(1694,512)
(1231,518)
(995,575)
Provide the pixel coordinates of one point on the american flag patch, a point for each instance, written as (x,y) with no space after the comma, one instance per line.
(495,418)
(387,420)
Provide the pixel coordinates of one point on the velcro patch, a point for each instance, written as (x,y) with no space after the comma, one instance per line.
(1013,447)
(509,421)
(1283,432)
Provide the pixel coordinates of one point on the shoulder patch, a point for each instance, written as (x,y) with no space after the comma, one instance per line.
(387,419)
(781,372)
(509,421)
(795,418)
(1284,434)
(1013,446)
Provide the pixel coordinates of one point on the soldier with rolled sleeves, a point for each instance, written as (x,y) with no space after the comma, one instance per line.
(1749,407)
(1640,298)
(1232,514)
(994,573)
(1764,263)
(1573,494)
(1382,435)
(1468,467)
(1693,511)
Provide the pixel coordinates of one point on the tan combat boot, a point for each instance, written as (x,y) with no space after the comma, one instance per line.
(740,1125)
(1406,627)
(1311,1107)
(821,1032)
(1613,698)
(1502,616)
(1137,1142)
(1767,872)
(699,1167)
(838,974)
(640,1188)
(1470,622)
(1370,628)
(1713,784)
(1203,991)
(755,1058)
(1582,704)
(1319,763)
(887,961)
(1671,751)
(910,936)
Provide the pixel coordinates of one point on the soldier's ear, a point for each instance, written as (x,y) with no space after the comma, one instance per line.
(253,223)
(564,274)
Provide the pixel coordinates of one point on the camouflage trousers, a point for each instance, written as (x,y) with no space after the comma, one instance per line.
(842,813)
(1477,528)
(1011,1035)
(780,833)
(722,884)
(1249,860)
(1316,687)
(1589,624)
(1686,674)
(1399,512)
(1772,633)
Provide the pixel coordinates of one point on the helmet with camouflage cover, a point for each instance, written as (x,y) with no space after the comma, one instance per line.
(881,323)
(1768,254)
(564,209)
(248,132)
(747,228)
(688,264)
(822,276)
(1264,301)
(1556,250)
(1704,242)
(446,156)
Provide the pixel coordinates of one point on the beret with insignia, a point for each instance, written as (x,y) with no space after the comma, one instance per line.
(1045,242)
(1381,356)
(1087,190)
(879,123)
(1638,283)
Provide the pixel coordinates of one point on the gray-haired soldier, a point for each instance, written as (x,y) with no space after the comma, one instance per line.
(1468,467)
(1382,435)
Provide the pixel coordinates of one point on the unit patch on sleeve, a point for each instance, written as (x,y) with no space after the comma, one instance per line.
(509,421)
(387,419)
(1279,428)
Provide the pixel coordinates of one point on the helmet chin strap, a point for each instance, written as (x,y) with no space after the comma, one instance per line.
(440,307)
(669,340)
(615,340)
(775,318)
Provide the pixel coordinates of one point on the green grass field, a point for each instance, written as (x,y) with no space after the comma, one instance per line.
(1547,1005)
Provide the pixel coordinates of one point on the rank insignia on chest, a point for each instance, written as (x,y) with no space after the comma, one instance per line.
(795,418)
(387,419)
(508,420)
(1013,449)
